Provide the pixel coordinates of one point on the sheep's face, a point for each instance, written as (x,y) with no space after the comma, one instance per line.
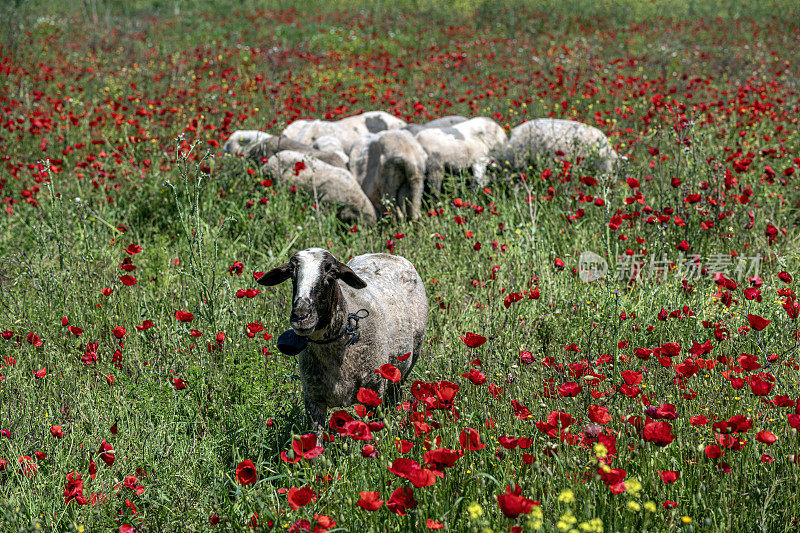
(314,273)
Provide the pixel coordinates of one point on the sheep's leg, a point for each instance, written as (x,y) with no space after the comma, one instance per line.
(316,417)
(417,184)
(479,171)
(434,179)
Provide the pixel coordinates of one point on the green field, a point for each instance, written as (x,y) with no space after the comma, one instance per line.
(652,399)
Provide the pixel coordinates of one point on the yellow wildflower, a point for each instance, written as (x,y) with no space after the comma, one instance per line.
(566,496)
(475,510)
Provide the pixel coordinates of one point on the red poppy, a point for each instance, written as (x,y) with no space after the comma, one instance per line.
(147,324)
(766,437)
(757,322)
(369,501)
(658,432)
(446,393)
(569,389)
(57,432)
(179,383)
(759,386)
(133,249)
(298,498)
(236,268)
(669,476)
(339,419)
(401,500)
(631,377)
(73,489)
(713,451)
(390,372)
(521,411)
(473,340)
(107,453)
(118,332)
(612,477)
(368,397)
(423,477)
(442,458)
(513,504)
(403,446)
(183,316)
(246,472)
(433,524)
(665,412)
(470,440)
(475,376)
(560,420)
(127,280)
(357,430)
(34,339)
(306,447)
(369,452)
(598,414)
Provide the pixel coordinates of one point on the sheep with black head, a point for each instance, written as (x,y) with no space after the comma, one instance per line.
(349,320)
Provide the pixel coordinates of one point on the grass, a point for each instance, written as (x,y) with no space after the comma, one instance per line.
(112,117)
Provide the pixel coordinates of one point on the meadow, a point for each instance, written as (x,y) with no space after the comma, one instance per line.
(140,385)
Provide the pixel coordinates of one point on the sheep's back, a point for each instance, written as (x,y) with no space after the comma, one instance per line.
(395,297)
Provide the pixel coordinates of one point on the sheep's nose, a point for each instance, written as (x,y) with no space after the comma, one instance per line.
(301,310)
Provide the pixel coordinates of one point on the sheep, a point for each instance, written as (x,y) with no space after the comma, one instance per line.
(443,122)
(269,147)
(327,182)
(466,145)
(346,331)
(391,164)
(240,140)
(327,143)
(259,145)
(546,137)
(347,130)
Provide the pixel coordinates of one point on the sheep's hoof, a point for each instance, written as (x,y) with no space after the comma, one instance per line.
(290,343)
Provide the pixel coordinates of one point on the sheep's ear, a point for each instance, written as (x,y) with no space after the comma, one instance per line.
(346,274)
(277,275)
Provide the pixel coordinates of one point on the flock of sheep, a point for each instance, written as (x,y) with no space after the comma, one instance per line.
(350,336)
(364,160)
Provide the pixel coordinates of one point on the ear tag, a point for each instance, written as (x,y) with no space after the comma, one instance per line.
(290,343)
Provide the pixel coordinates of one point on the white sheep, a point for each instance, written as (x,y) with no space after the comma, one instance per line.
(545,137)
(327,182)
(348,330)
(347,130)
(327,143)
(466,146)
(241,140)
(443,122)
(391,164)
